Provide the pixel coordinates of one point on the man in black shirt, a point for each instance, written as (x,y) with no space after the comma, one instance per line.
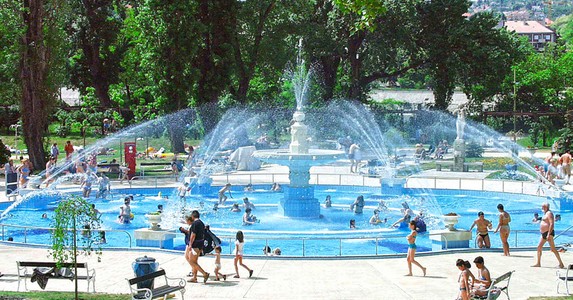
(195,246)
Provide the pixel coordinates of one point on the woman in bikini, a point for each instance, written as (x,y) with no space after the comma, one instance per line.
(463,279)
(25,169)
(483,280)
(412,249)
(503,228)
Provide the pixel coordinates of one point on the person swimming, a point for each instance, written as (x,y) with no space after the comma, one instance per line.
(125,215)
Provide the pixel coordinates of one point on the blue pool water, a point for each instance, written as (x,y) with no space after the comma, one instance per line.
(328,236)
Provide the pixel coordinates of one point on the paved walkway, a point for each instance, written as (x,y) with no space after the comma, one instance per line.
(284,278)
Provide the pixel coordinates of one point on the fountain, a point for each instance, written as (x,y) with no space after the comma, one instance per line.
(298,200)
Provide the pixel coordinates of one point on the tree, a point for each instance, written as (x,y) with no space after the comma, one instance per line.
(464,51)
(11,29)
(4,153)
(213,59)
(38,91)
(72,215)
(367,11)
(94,26)
(168,56)
(542,81)
(564,27)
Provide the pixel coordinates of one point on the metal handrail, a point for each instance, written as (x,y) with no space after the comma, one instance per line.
(443,237)
(231,240)
(564,231)
(303,240)
(26,228)
(316,179)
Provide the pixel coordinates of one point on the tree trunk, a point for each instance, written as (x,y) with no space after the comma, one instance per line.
(33,74)
(329,65)
(443,88)
(177,138)
(247,69)
(354,45)
(206,86)
(91,46)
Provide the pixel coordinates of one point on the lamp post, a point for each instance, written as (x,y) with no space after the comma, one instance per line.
(514,106)
(15,127)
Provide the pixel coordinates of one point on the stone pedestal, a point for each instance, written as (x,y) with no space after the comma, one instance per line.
(202,185)
(393,186)
(459,155)
(298,198)
(298,131)
(146,237)
(447,239)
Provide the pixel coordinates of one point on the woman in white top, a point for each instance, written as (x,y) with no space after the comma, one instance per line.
(239,245)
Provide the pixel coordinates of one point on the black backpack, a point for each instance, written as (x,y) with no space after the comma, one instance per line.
(211,241)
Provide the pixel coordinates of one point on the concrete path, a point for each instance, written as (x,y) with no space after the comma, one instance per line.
(288,278)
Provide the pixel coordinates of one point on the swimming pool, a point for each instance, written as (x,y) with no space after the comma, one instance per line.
(329,235)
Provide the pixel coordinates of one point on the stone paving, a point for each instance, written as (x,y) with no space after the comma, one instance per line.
(290,278)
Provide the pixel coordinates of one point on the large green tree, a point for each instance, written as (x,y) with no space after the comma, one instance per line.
(463,51)
(564,27)
(93,27)
(170,42)
(11,28)
(40,71)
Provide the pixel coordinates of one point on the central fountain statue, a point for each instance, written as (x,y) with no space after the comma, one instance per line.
(459,143)
(298,200)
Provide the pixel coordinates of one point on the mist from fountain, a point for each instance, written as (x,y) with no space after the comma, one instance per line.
(130,133)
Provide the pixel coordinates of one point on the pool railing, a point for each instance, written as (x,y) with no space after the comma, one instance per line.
(27,229)
(342,243)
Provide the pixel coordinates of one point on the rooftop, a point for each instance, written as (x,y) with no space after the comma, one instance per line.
(525,27)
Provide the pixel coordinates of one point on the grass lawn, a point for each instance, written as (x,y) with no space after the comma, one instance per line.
(59,296)
(116,145)
(551,298)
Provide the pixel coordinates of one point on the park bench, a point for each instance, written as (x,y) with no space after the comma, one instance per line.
(563,277)
(26,270)
(108,168)
(499,285)
(151,167)
(155,292)
(478,165)
(444,163)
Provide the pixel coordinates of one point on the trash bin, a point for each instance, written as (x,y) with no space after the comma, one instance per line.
(143,266)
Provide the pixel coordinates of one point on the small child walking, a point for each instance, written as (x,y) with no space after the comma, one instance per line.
(218,264)
(239,245)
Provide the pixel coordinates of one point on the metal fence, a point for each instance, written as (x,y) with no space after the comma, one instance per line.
(22,234)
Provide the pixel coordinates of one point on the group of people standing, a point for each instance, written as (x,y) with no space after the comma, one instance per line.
(20,174)
(556,166)
(484,226)
(195,235)
(546,229)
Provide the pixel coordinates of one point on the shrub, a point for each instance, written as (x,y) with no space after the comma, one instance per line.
(4,153)
(474,149)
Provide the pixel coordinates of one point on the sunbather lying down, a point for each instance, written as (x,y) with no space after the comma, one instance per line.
(564,248)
